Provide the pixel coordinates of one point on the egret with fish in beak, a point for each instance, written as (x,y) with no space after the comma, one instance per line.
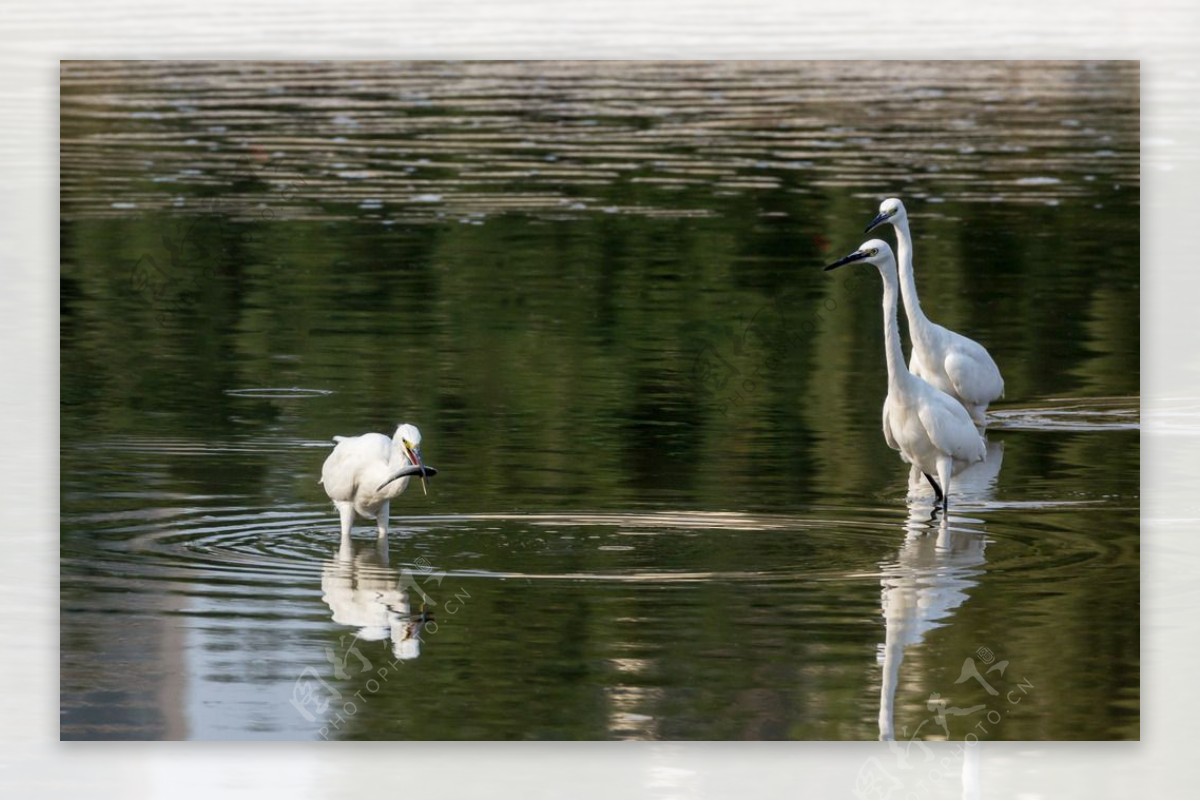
(364,473)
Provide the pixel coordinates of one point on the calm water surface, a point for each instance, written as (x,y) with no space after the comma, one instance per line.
(665,508)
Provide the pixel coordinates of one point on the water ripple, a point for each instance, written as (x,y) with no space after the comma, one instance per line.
(428,141)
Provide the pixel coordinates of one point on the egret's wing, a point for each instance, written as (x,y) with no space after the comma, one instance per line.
(887,424)
(350,458)
(950,428)
(972,372)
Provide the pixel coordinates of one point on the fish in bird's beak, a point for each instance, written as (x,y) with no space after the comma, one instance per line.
(857,255)
(414,456)
(880,218)
(422,470)
(415,467)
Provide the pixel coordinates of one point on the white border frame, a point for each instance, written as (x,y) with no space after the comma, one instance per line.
(34,36)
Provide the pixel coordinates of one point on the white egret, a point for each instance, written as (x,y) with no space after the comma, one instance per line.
(364,473)
(930,429)
(957,365)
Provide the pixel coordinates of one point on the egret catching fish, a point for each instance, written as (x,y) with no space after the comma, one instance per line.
(364,473)
(955,364)
(931,429)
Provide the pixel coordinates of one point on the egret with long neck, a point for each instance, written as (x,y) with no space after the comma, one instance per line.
(364,473)
(928,427)
(955,364)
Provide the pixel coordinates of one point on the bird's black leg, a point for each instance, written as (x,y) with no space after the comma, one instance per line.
(937,490)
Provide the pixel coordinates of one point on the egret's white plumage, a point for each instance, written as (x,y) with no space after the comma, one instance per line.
(955,364)
(364,473)
(930,429)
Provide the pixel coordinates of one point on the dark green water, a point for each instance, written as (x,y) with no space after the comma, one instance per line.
(665,507)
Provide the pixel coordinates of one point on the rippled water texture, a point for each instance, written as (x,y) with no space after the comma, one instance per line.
(664,508)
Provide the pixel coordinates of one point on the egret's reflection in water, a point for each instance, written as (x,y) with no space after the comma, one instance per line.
(935,569)
(362,590)
(973,486)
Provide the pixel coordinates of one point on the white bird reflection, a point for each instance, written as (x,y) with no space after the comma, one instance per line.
(936,567)
(363,591)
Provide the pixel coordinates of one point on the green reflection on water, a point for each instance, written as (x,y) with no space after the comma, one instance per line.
(563,360)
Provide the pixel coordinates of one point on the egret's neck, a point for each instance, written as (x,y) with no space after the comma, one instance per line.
(912,304)
(898,374)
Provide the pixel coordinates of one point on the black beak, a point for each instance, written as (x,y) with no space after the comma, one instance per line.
(857,255)
(879,218)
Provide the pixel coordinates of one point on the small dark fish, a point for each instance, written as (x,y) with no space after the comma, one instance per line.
(424,471)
